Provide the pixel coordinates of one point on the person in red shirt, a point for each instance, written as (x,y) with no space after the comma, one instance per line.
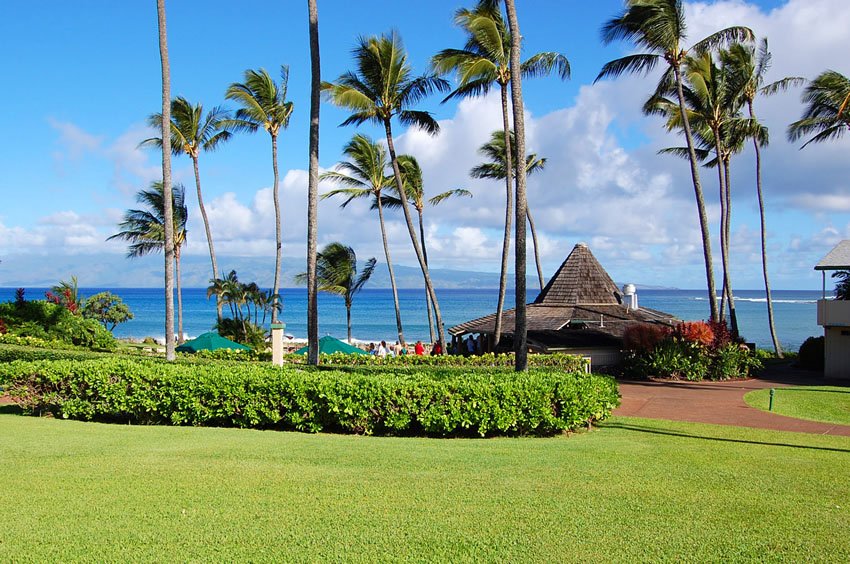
(419,349)
(437,350)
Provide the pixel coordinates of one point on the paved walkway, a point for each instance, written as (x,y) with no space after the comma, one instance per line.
(722,402)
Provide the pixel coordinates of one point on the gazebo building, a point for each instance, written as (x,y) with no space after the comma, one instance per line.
(834,316)
(580,311)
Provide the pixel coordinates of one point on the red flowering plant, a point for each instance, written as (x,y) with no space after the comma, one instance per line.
(698,332)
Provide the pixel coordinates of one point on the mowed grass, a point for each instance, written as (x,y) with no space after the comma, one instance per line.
(830,404)
(631,490)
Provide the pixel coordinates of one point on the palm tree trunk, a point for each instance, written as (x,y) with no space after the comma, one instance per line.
(179,276)
(722,197)
(348,320)
(405,206)
(521,327)
(506,241)
(760,194)
(536,248)
(730,295)
(277,229)
(313,191)
(425,254)
(168,210)
(390,268)
(703,217)
(207,230)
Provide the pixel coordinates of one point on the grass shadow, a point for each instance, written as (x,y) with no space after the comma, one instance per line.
(655,431)
(10,409)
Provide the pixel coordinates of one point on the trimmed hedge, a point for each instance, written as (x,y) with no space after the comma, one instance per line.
(560,361)
(261,396)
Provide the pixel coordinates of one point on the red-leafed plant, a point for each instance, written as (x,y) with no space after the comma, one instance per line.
(3,329)
(643,337)
(698,332)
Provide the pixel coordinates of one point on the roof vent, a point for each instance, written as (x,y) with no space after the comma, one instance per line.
(630,297)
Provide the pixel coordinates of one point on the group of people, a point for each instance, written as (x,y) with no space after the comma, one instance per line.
(399,349)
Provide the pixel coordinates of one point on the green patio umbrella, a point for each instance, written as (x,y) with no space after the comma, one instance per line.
(210,342)
(330,345)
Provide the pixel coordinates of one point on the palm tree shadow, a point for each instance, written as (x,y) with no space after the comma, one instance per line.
(653,431)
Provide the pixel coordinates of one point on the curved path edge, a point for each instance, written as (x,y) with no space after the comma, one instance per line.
(722,403)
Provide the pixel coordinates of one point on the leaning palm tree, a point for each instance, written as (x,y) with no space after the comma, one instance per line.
(364,176)
(496,168)
(168,212)
(384,88)
(144,229)
(313,187)
(481,64)
(336,273)
(192,131)
(751,66)
(264,106)
(411,174)
(827,113)
(659,27)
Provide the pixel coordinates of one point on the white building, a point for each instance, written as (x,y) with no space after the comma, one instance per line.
(834,316)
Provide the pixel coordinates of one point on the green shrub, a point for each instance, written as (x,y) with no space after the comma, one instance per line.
(560,361)
(484,403)
(811,355)
(52,322)
(694,351)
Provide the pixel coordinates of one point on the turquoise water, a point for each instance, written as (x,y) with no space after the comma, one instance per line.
(373,316)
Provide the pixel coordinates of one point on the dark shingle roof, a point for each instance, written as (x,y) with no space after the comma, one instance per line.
(581,296)
(580,280)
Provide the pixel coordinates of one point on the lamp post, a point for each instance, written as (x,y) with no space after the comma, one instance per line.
(277,343)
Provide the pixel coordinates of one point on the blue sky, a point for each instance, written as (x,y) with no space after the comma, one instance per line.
(81,78)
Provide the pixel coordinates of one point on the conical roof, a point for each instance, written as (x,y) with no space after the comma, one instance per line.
(580,280)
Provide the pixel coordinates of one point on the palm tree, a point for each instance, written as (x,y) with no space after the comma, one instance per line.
(659,27)
(496,168)
(313,187)
(827,113)
(145,230)
(264,105)
(842,287)
(751,68)
(168,212)
(364,176)
(520,322)
(411,174)
(481,64)
(713,101)
(192,132)
(336,272)
(383,88)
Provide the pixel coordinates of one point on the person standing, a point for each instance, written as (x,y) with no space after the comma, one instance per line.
(419,349)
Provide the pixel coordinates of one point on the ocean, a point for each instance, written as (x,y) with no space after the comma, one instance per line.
(373,317)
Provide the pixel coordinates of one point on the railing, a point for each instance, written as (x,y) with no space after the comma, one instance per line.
(834,313)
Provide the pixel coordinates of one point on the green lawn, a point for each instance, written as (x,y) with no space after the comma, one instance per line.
(631,490)
(830,404)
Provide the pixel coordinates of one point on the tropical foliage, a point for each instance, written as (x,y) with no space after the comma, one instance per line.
(336,273)
(145,230)
(263,105)
(248,304)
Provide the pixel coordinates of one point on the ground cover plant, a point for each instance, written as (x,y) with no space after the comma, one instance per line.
(693,350)
(830,404)
(424,401)
(632,490)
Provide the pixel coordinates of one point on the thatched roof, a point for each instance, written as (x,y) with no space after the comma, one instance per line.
(580,303)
